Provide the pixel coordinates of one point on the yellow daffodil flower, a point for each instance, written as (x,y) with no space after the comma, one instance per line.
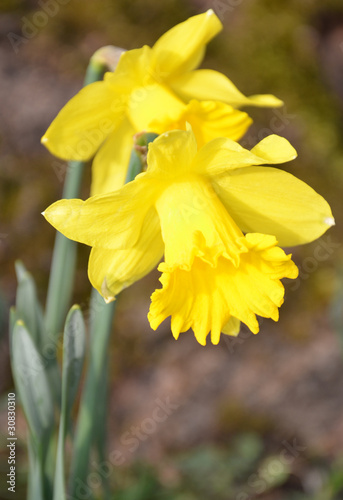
(152,89)
(193,206)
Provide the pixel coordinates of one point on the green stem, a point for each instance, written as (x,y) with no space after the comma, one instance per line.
(101,317)
(91,425)
(35,474)
(59,482)
(64,254)
(61,281)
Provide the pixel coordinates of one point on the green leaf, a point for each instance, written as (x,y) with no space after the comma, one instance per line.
(30,312)
(27,305)
(74,346)
(31,382)
(135,166)
(61,278)
(92,394)
(100,431)
(73,358)
(35,484)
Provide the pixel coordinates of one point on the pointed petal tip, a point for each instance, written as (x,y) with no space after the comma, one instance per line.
(329,221)
(200,338)
(44,139)
(108,300)
(278,103)
(210,12)
(152,319)
(43,213)
(175,334)
(202,342)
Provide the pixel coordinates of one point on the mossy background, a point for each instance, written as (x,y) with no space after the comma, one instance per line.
(238,403)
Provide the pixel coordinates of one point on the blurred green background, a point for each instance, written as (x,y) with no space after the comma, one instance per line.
(255,417)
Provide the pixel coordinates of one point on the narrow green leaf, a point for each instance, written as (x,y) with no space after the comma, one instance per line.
(73,358)
(30,312)
(74,346)
(35,477)
(100,431)
(135,166)
(59,480)
(27,305)
(61,279)
(101,322)
(32,384)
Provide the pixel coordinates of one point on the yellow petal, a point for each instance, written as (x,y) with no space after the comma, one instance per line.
(150,101)
(210,85)
(271,201)
(84,123)
(205,298)
(182,47)
(171,154)
(263,101)
(274,149)
(209,120)
(222,155)
(131,70)
(232,327)
(110,271)
(112,220)
(111,162)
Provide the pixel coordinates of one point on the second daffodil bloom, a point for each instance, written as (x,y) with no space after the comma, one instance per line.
(152,89)
(193,206)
